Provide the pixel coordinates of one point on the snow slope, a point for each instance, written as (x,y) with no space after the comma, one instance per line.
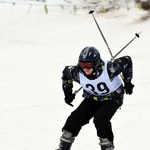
(34,49)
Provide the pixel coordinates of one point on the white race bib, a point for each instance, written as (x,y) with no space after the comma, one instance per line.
(100,86)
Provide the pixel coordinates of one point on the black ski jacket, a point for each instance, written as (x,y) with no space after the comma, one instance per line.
(122,65)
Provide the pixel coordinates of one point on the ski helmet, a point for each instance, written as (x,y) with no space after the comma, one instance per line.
(89,54)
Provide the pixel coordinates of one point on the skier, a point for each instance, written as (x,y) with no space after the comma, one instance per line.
(103,93)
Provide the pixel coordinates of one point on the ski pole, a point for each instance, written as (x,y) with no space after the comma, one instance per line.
(91,12)
(137,35)
(75,92)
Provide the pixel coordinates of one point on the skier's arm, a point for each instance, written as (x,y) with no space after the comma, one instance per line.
(127,72)
(67,84)
(69,75)
(122,65)
(125,66)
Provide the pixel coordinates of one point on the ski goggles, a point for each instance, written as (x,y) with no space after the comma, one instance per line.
(87,65)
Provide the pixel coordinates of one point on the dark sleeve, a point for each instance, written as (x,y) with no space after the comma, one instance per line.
(121,65)
(69,74)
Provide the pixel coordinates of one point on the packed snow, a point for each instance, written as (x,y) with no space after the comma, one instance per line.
(35,47)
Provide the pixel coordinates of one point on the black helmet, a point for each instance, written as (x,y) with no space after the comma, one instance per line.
(90,54)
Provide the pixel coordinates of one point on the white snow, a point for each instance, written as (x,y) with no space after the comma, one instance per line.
(35,47)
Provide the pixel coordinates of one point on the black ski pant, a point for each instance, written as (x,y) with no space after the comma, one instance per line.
(101,112)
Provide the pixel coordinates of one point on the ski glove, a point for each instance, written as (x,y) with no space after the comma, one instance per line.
(69,97)
(128,88)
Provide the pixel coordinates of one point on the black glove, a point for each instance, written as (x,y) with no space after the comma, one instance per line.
(69,97)
(128,88)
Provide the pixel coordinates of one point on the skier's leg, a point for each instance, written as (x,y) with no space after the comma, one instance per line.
(102,121)
(81,116)
(66,140)
(76,120)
